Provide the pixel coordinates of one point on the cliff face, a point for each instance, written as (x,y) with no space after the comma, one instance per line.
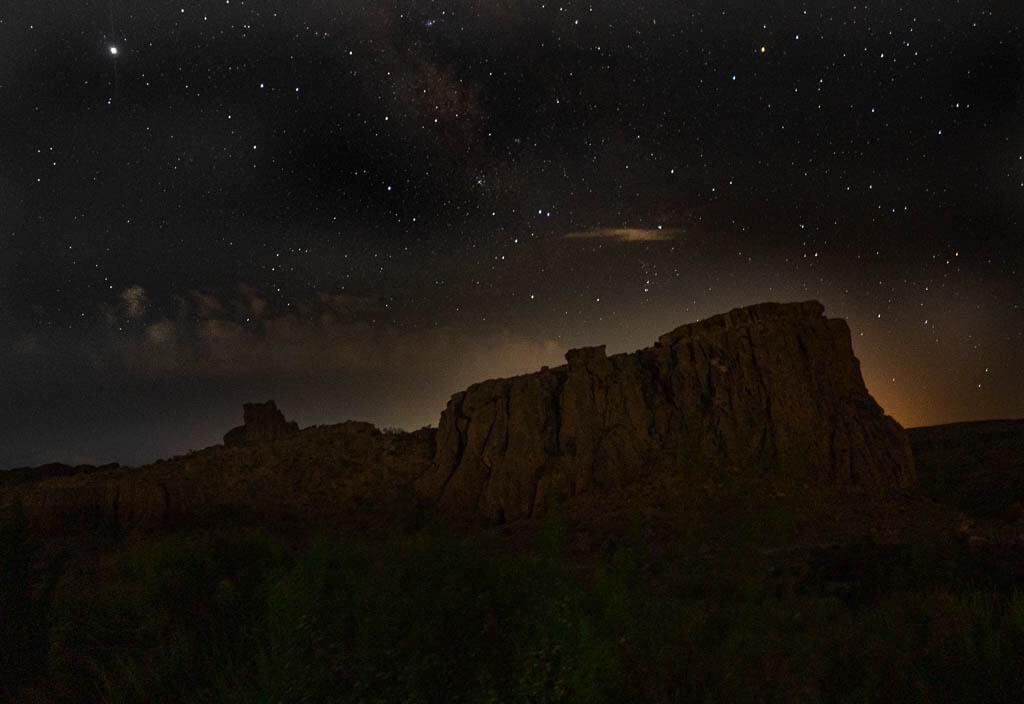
(772,387)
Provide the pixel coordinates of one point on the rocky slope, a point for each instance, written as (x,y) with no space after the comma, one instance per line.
(977,467)
(350,473)
(771,388)
(21,475)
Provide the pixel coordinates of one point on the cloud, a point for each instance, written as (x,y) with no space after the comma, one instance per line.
(628,234)
(27,345)
(161,333)
(207,305)
(133,302)
(332,355)
(323,335)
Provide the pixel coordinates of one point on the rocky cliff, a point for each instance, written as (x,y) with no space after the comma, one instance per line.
(771,388)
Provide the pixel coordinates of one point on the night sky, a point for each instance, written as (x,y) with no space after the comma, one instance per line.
(358,209)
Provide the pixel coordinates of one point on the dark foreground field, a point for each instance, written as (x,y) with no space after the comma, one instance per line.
(737,598)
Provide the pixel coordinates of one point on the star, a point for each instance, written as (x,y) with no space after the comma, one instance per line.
(539,150)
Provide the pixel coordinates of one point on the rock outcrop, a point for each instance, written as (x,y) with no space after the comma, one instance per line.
(771,388)
(349,473)
(21,475)
(263,423)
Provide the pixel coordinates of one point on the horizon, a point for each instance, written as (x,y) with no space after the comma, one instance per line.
(216,434)
(358,210)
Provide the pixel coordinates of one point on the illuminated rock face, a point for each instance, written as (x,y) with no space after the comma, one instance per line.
(772,388)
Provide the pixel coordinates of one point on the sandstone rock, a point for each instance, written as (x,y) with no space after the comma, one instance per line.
(771,388)
(350,473)
(263,423)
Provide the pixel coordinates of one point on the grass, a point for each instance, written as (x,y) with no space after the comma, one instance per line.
(248,616)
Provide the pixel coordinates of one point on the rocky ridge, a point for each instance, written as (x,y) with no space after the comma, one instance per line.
(349,473)
(772,389)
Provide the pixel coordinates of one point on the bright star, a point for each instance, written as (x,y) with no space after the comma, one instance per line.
(113,50)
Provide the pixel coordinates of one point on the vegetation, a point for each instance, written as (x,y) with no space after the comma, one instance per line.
(976,467)
(26,590)
(249,616)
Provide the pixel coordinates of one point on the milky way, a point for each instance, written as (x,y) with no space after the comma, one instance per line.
(357,209)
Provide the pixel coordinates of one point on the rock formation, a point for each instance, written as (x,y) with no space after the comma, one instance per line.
(771,388)
(351,473)
(21,475)
(263,423)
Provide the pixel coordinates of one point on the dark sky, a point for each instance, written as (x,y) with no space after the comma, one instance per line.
(360,208)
